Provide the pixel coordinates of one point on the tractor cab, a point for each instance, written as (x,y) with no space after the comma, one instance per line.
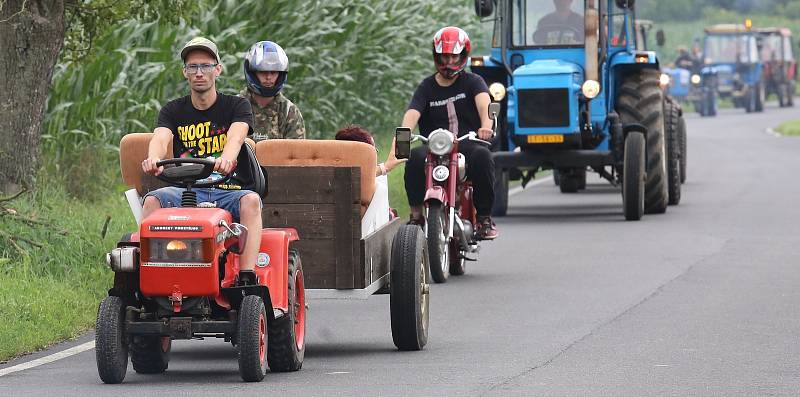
(731,61)
(780,66)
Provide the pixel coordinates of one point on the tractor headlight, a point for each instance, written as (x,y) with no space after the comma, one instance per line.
(440,173)
(440,142)
(497,91)
(590,89)
(696,79)
(176,250)
(663,80)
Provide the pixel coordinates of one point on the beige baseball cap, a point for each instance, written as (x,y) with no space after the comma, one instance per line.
(200,43)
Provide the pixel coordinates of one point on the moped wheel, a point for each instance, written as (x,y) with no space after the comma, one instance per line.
(633,177)
(252,339)
(287,346)
(438,252)
(458,262)
(409,289)
(111,344)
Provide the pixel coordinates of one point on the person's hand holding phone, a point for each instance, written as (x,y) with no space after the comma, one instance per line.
(402,143)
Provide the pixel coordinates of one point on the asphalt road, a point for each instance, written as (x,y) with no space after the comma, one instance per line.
(570,300)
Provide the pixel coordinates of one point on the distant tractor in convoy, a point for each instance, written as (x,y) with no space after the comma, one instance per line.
(575,95)
(780,65)
(732,69)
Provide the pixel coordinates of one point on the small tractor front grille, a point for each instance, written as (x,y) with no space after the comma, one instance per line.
(544,107)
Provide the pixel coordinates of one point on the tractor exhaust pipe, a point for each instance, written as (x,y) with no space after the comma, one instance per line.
(592,23)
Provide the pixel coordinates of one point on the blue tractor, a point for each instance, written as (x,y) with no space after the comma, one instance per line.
(732,69)
(575,95)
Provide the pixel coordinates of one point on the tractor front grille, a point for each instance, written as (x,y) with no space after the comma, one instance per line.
(544,107)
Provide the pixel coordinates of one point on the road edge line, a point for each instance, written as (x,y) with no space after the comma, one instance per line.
(48,359)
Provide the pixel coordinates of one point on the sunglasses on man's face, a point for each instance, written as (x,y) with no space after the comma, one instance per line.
(203,67)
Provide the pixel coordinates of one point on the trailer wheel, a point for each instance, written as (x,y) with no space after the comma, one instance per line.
(640,101)
(500,207)
(682,137)
(408,292)
(287,346)
(437,242)
(672,132)
(633,177)
(111,344)
(252,339)
(150,354)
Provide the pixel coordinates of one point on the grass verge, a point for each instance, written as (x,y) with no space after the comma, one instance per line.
(789,128)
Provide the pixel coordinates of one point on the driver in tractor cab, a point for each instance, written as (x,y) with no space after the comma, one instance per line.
(266,68)
(204,124)
(458,101)
(562,26)
(684,60)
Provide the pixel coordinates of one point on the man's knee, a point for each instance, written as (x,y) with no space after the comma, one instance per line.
(250,203)
(152,202)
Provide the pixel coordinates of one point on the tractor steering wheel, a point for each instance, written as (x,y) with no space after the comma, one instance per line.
(542,33)
(187,175)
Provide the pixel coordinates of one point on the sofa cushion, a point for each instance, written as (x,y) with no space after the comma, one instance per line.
(307,152)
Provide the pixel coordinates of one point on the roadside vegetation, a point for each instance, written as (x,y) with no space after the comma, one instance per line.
(789,128)
(349,63)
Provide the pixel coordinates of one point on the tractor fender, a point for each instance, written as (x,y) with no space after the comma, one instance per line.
(272,264)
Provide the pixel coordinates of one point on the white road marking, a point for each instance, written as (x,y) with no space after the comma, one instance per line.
(773,133)
(48,359)
(518,189)
(338,373)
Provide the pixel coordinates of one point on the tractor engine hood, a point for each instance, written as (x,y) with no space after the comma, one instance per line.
(544,98)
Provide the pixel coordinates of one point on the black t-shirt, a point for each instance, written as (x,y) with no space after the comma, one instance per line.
(203,133)
(452,108)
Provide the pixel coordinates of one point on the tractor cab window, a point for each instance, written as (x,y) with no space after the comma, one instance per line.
(728,48)
(547,23)
(788,56)
(619,32)
(771,48)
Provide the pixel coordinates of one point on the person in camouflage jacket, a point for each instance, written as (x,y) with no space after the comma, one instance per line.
(275,116)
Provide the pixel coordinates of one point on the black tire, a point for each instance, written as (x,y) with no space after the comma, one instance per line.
(640,101)
(252,339)
(581,175)
(684,153)
(150,354)
(287,347)
(760,97)
(790,95)
(672,131)
(750,100)
(712,103)
(500,206)
(438,252)
(556,177)
(633,181)
(111,342)
(781,91)
(572,180)
(458,264)
(408,292)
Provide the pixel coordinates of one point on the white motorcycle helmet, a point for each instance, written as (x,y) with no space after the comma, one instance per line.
(265,56)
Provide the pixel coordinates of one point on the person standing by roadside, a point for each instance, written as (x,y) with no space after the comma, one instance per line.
(276,117)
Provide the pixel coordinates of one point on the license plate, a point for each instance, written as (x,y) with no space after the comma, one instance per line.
(551,138)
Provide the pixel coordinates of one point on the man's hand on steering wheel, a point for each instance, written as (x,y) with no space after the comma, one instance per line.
(224,166)
(485,133)
(149,166)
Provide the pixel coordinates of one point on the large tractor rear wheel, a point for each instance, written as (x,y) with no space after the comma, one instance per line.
(408,289)
(150,354)
(287,345)
(672,131)
(640,101)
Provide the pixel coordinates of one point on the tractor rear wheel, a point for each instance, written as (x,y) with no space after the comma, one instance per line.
(640,101)
(111,343)
(633,176)
(150,354)
(437,242)
(760,97)
(287,346)
(672,132)
(682,138)
(408,289)
(252,339)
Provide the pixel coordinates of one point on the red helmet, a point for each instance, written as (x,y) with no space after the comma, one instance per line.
(451,40)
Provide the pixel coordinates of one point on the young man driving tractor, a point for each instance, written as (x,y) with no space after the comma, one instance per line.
(457,101)
(207,123)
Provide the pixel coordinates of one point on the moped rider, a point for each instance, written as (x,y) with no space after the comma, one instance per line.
(207,123)
(266,68)
(458,101)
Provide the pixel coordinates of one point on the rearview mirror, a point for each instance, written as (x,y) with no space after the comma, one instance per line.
(484,8)
(661,38)
(494,110)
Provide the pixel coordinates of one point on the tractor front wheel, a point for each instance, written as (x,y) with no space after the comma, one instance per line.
(633,177)
(252,339)
(287,345)
(111,343)
(672,132)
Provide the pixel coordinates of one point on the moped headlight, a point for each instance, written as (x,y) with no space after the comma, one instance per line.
(497,91)
(696,79)
(590,89)
(440,173)
(440,142)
